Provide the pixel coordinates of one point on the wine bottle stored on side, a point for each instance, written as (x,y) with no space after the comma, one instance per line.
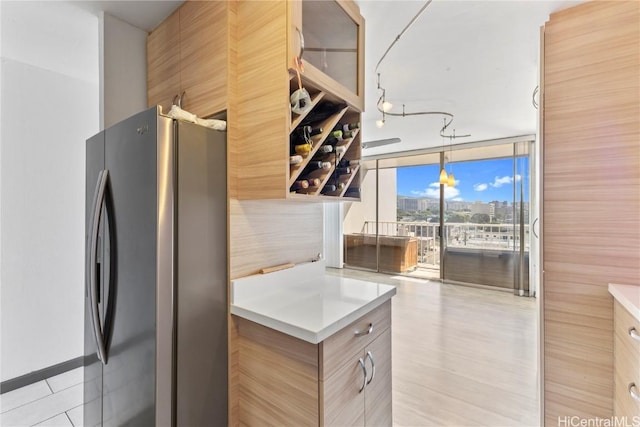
(314,182)
(303,149)
(337,134)
(345,127)
(325,149)
(316,164)
(340,149)
(348,134)
(329,188)
(332,140)
(295,160)
(344,163)
(300,184)
(346,170)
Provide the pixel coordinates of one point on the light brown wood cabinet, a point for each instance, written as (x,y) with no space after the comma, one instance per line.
(626,364)
(187,56)
(268,38)
(343,381)
(590,152)
(333,54)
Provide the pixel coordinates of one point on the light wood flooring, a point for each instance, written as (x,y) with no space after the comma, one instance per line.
(462,356)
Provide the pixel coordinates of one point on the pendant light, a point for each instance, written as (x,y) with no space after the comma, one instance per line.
(451,180)
(444,178)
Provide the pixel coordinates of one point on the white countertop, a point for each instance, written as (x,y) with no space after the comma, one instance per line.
(628,296)
(304,301)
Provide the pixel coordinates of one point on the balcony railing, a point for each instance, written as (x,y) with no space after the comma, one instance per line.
(457,235)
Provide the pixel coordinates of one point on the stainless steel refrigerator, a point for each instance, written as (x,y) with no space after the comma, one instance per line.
(156,274)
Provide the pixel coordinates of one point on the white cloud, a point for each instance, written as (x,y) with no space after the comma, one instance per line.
(451,193)
(458,199)
(433,191)
(500,181)
(480,187)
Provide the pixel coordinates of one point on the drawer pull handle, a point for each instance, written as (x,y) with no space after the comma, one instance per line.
(373,367)
(364,375)
(363,333)
(633,392)
(634,334)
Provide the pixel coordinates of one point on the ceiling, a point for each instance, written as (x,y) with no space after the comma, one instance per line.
(477,60)
(144,14)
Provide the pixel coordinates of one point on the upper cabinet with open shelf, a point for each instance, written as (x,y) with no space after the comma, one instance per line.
(268,40)
(330,36)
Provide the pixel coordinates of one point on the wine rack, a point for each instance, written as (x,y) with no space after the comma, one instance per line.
(350,148)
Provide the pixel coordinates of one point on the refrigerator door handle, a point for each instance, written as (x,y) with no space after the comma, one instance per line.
(94,225)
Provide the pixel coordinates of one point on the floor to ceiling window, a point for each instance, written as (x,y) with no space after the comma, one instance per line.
(475,231)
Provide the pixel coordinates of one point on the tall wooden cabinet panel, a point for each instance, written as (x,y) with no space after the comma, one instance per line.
(187,54)
(591,198)
(163,62)
(203,56)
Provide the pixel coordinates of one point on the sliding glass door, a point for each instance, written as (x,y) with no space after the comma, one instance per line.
(485,238)
(475,231)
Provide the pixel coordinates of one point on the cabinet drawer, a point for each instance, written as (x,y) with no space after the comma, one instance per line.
(623,323)
(626,362)
(342,346)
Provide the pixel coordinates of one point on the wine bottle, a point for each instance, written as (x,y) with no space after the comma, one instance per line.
(313,182)
(335,134)
(332,140)
(348,134)
(345,127)
(303,149)
(295,160)
(343,170)
(315,165)
(300,184)
(340,185)
(315,131)
(325,149)
(344,163)
(301,141)
(329,188)
(340,149)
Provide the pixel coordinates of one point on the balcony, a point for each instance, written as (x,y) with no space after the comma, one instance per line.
(485,254)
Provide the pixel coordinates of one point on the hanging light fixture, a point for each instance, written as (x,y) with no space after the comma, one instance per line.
(451,181)
(444,178)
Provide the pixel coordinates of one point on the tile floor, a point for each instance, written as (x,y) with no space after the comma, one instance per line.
(461,356)
(56,401)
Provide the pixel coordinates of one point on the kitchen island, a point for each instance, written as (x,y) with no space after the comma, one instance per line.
(313,349)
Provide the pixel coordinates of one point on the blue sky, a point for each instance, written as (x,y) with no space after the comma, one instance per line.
(483,180)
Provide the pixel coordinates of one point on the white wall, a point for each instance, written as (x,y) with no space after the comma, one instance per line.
(357,213)
(49,106)
(123,70)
